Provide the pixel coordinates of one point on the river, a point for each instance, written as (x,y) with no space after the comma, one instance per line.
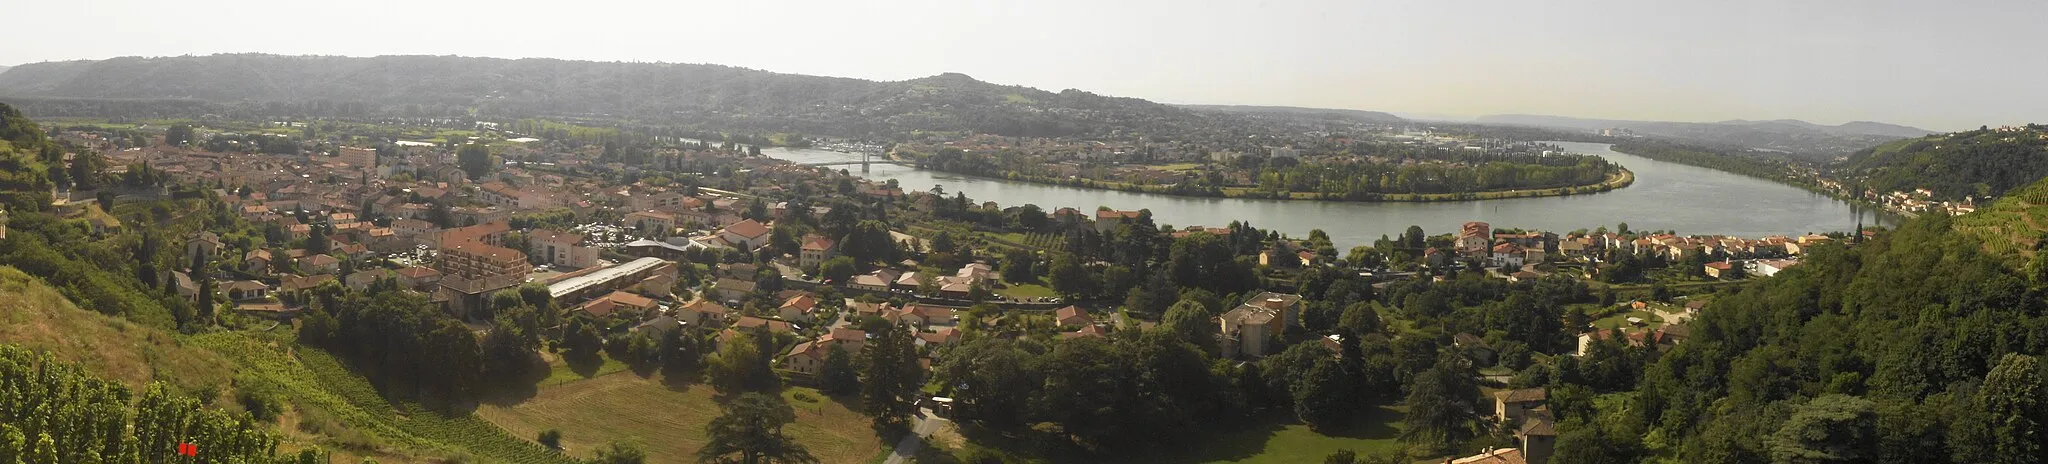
(1666,196)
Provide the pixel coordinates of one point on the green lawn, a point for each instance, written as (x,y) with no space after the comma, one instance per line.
(1026,291)
(560,372)
(1273,442)
(1621,319)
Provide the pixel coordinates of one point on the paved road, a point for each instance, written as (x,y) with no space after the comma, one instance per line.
(922,426)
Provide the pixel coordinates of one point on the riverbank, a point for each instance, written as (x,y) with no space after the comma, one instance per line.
(1664,196)
(1619,179)
(1752,170)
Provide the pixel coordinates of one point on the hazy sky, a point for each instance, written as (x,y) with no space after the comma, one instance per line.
(1935,64)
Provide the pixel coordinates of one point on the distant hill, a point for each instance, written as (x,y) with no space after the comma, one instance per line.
(709,96)
(1787,135)
(3,68)
(1970,163)
(1321,113)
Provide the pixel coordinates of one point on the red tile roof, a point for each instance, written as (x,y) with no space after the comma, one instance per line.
(748,228)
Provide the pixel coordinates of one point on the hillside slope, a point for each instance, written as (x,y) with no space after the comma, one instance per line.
(328,406)
(2012,228)
(723,97)
(35,316)
(1980,163)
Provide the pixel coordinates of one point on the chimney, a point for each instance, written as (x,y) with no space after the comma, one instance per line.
(1275,303)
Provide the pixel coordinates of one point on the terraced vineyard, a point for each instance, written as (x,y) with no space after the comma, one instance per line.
(2014,226)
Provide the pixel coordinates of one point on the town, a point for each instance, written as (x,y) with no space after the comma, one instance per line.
(748,253)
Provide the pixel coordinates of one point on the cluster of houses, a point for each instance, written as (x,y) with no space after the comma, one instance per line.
(958,286)
(1921,201)
(1515,253)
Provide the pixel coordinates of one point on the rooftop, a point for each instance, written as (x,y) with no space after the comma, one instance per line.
(574,284)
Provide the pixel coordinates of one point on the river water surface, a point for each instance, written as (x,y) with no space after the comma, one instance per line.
(1665,196)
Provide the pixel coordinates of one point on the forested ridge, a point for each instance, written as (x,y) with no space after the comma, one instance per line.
(1981,163)
(694,95)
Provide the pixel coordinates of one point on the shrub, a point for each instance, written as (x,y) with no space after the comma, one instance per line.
(551,438)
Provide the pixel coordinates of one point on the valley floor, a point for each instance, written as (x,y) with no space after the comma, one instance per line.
(668,422)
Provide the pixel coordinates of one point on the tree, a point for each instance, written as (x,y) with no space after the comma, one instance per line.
(1413,238)
(750,432)
(1439,410)
(1360,318)
(744,365)
(1322,399)
(1580,442)
(869,241)
(178,134)
(680,356)
(580,341)
(620,453)
(836,270)
(1070,279)
(995,382)
(839,376)
(1018,266)
(1189,321)
(2009,412)
(1829,429)
(1342,456)
(889,390)
(474,159)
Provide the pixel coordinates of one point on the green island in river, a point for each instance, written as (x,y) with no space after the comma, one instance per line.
(1359,173)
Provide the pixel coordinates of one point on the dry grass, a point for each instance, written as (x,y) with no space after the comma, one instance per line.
(35,316)
(669,424)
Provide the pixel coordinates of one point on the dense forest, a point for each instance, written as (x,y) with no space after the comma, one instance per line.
(1981,163)
(686,95)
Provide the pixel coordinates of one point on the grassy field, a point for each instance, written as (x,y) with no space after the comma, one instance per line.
(560,372)
(1175,167)
(669,424)
(1026,291)
(1292,442)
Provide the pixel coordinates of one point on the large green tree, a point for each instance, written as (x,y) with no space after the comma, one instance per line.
(1323,399)
(1828,429)
(890,380)
(474,159)
(750,432)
